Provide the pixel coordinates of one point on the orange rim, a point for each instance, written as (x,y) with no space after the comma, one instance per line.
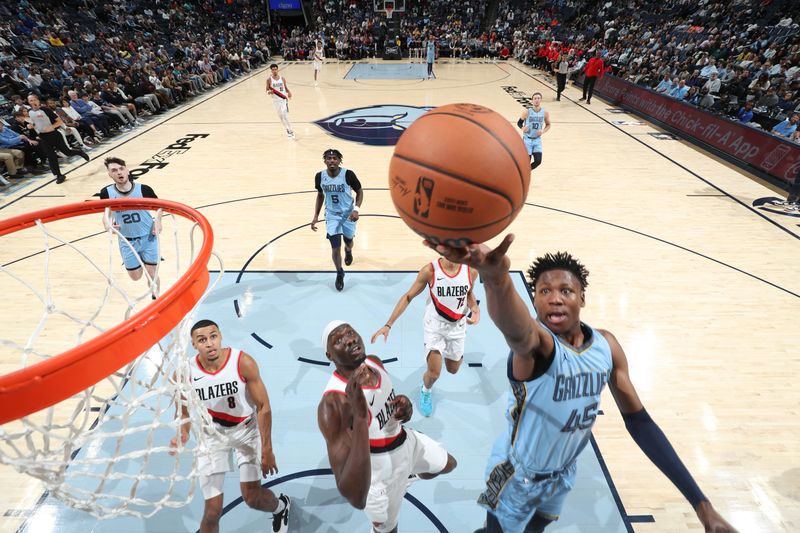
(46,383)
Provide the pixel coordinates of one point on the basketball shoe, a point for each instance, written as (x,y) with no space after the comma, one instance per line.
(280,520)
(425,401)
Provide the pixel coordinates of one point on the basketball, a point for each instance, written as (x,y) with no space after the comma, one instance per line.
(459,174)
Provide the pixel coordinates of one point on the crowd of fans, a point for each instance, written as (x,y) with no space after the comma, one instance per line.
(740,59)
(102,68)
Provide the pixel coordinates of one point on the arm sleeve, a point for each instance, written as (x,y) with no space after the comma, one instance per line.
(352,180)
(652,441)
(318,181)
(104,193)
(148,192)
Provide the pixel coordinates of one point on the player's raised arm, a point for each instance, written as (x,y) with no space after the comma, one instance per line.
(422,280)
(344,423)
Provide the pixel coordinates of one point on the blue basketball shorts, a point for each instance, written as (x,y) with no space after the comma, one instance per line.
(340,225)
(147,248)
(514,496)
(533,144)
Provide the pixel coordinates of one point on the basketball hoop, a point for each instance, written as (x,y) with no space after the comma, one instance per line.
(59,413)
(389,11)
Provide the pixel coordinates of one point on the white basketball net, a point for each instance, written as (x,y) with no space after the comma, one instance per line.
(107,449)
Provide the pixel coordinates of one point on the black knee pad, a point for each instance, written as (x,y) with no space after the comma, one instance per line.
(336,240)
(348,242)
(537,160)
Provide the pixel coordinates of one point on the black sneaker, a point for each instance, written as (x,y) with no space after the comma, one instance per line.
(280,521)
(348,257)
(85,155)
(340,280)
(61,178)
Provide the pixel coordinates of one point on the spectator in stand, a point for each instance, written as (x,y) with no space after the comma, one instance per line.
(118,114)
(713,84)
(14,161)
(85,111)
(788,127)
(745,113)
(787,103)
(84,130)
(693,96)
(760,85)
(768,100)
(706,99)
(65,128)
(140,96)
(666,85)
(709,68)
(33,154)
(113,95)
(680,91)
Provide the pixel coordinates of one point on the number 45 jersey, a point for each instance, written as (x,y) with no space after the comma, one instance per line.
(551,417)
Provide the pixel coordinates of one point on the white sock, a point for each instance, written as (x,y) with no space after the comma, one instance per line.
(424,388)
(281,506)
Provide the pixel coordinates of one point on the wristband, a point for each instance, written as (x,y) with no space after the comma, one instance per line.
(387,326)
(355,208)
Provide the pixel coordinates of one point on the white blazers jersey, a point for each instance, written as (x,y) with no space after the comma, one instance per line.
(278,85)
(385,432)
(224,392)
(449,293)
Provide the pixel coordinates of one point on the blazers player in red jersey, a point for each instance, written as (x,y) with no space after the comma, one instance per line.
(451,306)
(229,384)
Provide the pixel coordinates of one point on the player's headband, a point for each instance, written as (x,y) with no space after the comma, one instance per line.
(332,325)
(332,152)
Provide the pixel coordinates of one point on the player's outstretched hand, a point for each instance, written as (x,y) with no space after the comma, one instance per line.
(268,465)
(712,520)
(383,331)
(354,394)
(479,256)
(402,408)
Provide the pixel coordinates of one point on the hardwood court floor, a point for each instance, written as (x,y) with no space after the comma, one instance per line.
(699,286)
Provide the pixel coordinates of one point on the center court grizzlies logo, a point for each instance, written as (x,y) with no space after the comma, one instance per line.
(422,197)
(377,125)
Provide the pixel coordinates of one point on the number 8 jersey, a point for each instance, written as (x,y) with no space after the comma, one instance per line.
(136,223)
(224,392)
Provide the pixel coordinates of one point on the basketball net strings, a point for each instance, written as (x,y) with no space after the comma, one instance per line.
(106,450)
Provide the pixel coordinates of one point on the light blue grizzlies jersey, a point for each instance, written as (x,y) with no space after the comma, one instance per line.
(535,122)
(430,51)
(338,194)
(551,417)
(131,223)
